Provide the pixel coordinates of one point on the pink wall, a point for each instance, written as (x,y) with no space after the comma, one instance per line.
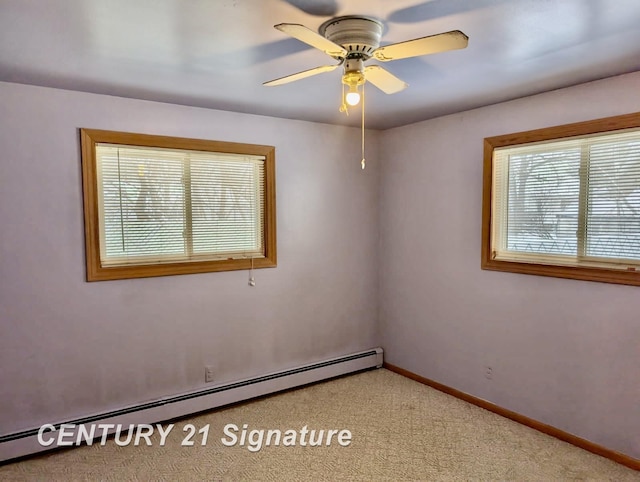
(70,348)
(563,352)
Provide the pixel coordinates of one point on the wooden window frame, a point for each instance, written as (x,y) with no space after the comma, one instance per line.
(598,126)
(96,272)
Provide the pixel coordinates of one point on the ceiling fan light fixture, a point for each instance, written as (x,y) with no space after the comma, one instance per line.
(353,77)
(353,96)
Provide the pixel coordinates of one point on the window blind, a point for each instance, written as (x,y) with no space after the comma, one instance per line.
(166,205)
(569,202)
(613,215)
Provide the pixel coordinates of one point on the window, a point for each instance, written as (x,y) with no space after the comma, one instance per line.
(157,206)
(565,201)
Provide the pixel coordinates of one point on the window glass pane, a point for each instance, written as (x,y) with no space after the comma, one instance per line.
(543,202)
(163,205)
(613,221)
(227,206)
(143,204)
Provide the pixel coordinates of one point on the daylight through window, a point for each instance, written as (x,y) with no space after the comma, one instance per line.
(198,210)
(572,202)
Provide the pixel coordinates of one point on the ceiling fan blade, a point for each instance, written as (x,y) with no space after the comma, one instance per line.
(309,37)
(300,75)
(422,46)
(384,80)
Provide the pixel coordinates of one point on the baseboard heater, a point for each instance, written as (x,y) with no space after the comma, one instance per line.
(23,443)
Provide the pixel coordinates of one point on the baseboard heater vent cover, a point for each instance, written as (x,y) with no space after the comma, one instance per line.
(23,443)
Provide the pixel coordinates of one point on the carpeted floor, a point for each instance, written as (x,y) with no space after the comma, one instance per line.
(401,430)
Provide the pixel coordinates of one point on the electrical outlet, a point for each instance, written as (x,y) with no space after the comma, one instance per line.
(488,373)
(208,374)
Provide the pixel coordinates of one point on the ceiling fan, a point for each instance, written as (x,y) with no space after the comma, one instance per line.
(353,40)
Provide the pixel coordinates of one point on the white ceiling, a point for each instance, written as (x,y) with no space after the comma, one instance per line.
(217,53)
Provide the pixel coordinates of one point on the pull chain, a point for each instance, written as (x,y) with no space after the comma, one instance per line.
(363,162)
(252,280)
(344,107)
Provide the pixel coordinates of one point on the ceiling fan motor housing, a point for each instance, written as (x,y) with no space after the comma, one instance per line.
(360,36)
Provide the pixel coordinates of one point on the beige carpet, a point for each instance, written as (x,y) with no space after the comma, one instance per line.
(401,430)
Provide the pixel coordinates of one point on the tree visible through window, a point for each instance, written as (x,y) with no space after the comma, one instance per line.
(565,201)
(157,205)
